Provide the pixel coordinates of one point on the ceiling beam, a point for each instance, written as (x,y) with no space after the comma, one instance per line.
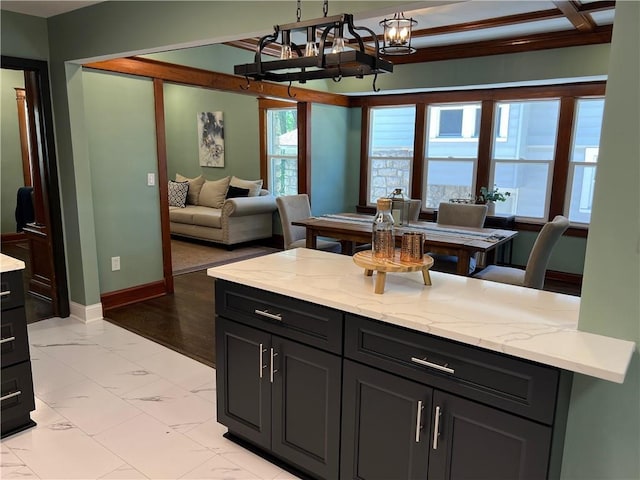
(527,43)
(581,21)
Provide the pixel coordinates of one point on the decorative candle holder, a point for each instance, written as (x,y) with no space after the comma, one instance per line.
(412,249)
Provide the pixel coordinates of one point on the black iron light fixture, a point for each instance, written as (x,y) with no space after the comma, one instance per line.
(323,56)
(397,35)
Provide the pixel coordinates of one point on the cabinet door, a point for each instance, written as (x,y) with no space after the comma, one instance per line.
(306,407)
(479,442)
(242,381)
(385,425)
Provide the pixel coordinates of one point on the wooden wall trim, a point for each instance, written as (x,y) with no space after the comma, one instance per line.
(364,155)
(163,181)
(485,143)
(21,103)
(215,80)
(127,296)
(13,237)
(561,160)
(564,277)
(304,148)
(419,152)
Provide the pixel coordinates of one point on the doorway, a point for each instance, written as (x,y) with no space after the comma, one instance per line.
(45,258)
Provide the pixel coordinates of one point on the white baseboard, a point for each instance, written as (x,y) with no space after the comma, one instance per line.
(86,313)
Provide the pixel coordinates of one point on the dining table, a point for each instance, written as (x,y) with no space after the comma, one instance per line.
(352,229)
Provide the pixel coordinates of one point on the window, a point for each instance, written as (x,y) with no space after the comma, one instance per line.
(583,159)
(391,136)
(282,150)
(451,152)
(522,158)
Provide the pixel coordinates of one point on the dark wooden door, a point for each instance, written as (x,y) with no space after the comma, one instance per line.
(478,442)
(385,425)
(242,381)
(306,407)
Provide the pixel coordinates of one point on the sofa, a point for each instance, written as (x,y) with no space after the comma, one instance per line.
(221,211)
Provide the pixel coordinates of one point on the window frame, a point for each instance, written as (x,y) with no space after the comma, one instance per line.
(568,93)
(304,140)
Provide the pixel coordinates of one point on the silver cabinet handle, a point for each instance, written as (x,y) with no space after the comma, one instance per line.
(266,313)
(272,370)
(4,294)
(7,340)
(419,421)
(10,395)
(436,428)
(262,365)
(443,368)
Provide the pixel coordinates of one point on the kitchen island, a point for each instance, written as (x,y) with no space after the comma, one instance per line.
(463,377)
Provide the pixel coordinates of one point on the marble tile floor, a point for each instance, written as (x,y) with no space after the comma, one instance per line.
(111,404)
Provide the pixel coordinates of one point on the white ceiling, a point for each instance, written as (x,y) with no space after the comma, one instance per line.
(44,8)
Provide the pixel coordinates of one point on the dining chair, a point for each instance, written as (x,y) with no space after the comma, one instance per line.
(533,274)
(459,215)
(297,207)
(415,204)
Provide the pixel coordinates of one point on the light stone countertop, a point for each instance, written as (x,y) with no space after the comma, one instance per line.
(9,264)
(522,322)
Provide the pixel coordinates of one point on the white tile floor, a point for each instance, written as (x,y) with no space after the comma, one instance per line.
(113,405)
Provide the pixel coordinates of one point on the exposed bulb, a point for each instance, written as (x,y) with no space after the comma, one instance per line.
(311,50)
(285,53)
(338,45)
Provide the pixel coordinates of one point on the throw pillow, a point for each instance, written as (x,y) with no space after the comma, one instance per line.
(254,186)
(178,193)
(195,186)
(235,192)
(213,193)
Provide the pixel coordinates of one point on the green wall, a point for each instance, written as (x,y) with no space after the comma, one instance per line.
(127,216)
(330,161)
(11,175)
(24,36)
(603,433)
(241,139)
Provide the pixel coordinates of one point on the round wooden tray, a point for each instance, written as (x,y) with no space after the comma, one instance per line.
(365,260)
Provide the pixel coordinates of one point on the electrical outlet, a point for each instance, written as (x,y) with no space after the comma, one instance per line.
(151,179)
(115,263)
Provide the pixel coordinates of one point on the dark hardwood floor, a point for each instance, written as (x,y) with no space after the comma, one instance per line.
(182,321)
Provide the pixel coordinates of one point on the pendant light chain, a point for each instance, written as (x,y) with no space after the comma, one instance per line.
(299,10)
(325,7)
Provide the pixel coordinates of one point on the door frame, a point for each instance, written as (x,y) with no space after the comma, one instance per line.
(49,174)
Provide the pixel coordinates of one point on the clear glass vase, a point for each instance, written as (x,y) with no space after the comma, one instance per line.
(382,237)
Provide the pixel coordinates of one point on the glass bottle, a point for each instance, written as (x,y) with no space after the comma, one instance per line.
(382,238)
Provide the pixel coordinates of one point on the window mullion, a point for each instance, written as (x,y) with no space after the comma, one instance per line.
(418,167)
(483,171)
(561,160)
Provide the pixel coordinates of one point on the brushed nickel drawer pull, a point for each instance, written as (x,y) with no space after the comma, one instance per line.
(5,294)
(443,368)
(266,313)
(436,428)
(10,395)
(7,340)
(419,421)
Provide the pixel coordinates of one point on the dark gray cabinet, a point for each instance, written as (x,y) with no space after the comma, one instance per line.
(16,396)
(341,396)
(279,394)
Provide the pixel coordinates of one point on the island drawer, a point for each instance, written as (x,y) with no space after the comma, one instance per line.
(515,385)
(14,341)
(17,392)
(11,290)
(298,320)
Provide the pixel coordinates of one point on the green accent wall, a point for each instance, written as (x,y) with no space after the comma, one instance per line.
(127,215)
(567,255)
(11,174)
(603,432)
(24,36)
(241,138)
(330,192)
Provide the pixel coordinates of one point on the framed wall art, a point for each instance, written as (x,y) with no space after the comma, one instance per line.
(211,139)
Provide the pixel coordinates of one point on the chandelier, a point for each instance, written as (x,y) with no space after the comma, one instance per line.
(397,35)
(324,55)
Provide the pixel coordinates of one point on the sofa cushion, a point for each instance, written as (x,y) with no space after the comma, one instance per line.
(236,192)
(213,193)
(254,186)
(195,185)
(178,193)
(197,215)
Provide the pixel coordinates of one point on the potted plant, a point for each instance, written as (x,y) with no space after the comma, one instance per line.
(490,197)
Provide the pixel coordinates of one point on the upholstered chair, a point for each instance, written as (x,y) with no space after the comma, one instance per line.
(297,207)
(458,215)
(533,275)
(415,205)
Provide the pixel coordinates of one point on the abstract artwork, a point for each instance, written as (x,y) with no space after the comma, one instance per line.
(211,139)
